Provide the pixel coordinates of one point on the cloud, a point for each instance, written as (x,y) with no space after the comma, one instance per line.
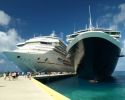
(4,18)
(9,39)
(114,17)
(120,17)
(105,20)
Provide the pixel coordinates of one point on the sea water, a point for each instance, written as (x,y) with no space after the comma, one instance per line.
(79,89)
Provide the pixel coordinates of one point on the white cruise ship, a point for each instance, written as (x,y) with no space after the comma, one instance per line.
(94,52)
(41,54)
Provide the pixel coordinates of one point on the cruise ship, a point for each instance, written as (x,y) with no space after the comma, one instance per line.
(94,52)
(41,54)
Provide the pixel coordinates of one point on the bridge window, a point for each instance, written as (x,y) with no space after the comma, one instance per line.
(48,43)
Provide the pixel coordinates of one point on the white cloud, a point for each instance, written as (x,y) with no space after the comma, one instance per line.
(9,39)
(120,17)
(4,18)
(105,20)
(113,20)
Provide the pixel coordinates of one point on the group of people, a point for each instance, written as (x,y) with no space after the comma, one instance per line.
(29,75)
(11,75)
(14,75)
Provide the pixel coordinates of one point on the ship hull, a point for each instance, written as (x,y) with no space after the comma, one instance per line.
(98,55)
(39,62)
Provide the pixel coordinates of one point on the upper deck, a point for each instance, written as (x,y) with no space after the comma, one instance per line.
(114,34)
(42,43)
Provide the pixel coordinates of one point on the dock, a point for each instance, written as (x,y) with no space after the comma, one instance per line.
(26,89)
(53,77)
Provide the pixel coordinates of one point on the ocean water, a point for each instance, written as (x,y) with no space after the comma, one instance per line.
(79,89)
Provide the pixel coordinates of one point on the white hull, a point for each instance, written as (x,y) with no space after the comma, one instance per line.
(39,62)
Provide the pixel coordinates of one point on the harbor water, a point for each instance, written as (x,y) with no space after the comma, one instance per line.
(79,89)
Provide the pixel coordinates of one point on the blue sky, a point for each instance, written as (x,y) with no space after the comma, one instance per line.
(22,19)
(37,17)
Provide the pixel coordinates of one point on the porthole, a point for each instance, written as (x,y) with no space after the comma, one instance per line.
(38,58)
(18,56)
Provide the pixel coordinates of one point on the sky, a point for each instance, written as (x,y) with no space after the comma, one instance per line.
(24,19)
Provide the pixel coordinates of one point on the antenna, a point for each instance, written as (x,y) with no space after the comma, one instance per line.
(90,20)
(74,28)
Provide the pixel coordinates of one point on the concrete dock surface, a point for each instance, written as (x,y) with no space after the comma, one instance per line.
(25,89)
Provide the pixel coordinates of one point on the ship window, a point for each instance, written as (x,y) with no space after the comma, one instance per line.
(38,58)
(113,33)
(46,59)
(72,36)
(48,43)
(18,56)
(20,45)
